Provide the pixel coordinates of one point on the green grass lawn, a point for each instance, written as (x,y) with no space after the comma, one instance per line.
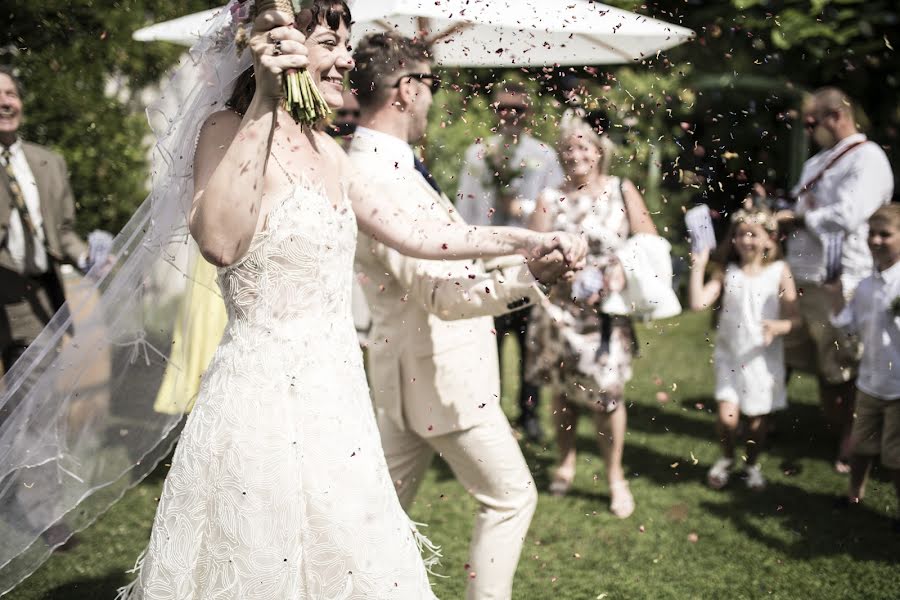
(786,542)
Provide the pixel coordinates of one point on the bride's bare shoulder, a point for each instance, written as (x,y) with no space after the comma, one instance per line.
(332,150)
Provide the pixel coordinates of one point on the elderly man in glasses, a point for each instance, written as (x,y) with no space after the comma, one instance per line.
(839,189)
(432,360)
(499,183)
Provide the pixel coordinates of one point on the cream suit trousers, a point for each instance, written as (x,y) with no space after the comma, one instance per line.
(487,461)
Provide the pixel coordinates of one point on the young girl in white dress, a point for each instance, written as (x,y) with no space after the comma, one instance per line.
(757,310)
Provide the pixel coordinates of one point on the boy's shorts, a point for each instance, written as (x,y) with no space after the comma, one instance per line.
(876,429)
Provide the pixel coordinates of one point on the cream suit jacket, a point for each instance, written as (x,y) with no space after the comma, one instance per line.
(432,358)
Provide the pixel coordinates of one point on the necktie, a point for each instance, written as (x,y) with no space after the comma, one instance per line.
(18,204)
(426,174)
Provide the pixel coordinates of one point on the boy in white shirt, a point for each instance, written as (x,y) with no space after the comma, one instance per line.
(874,315)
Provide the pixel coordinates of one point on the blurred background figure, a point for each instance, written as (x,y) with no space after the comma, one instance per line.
(345,120)
(579,345)
(839,189)
(499,182)
(37,228)
(37,233)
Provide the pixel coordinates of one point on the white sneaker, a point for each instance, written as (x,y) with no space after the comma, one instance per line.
(755,479)
(718,475)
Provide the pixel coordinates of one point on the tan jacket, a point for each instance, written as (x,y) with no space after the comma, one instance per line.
(432,361)
(58,212)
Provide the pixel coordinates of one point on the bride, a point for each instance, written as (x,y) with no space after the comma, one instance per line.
(278,488)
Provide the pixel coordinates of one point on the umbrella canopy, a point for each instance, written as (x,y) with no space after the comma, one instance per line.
(493,33)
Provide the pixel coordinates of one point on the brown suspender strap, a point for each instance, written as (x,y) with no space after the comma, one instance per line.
(814,180)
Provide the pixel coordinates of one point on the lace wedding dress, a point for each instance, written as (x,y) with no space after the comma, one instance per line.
(279,488)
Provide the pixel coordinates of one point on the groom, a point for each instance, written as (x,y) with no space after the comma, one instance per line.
(433,362)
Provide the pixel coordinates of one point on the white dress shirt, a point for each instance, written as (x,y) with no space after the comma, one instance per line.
(388,145)
(839,206)
(15,241)
(871,314)
(476,195)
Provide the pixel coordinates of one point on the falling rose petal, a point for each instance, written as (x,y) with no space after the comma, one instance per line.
(642,529)
(693,537)
(662,397)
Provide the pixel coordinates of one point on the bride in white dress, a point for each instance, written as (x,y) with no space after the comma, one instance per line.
(279,488)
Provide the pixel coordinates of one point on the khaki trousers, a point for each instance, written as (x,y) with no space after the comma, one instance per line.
(488,462)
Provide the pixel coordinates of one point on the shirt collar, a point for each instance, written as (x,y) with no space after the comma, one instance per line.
(890,275)
(388,146)
(15,149)
(850,139)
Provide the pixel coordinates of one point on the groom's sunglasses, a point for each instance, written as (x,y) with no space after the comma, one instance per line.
(433,82)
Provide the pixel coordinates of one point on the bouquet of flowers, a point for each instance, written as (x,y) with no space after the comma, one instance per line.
(302,98)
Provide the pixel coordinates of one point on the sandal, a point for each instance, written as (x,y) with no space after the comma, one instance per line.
(561,483)
(718,475)
(621,501)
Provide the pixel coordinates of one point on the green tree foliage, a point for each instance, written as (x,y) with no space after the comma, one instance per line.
(83,75)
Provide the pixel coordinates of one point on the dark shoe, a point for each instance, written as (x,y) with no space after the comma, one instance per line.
(531,426)
(895,526)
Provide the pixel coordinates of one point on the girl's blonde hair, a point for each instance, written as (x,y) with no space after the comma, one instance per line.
(572,123)
(726,252)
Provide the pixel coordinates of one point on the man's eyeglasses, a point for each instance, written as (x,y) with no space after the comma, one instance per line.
(433,81)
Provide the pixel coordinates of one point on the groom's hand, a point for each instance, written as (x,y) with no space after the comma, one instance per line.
(549,268)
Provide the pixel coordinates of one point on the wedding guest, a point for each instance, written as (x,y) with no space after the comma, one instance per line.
(37,228)
(432,361)
(874,314)
(499,183)
(758,309)
(839,189)
(345,120)
(37,236)
(578,345)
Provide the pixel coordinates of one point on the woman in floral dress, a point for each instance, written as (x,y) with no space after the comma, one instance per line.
(582,343)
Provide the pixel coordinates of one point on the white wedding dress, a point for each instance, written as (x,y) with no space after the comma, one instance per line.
(279,488)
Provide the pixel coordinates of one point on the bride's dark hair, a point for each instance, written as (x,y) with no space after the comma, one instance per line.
(330,13)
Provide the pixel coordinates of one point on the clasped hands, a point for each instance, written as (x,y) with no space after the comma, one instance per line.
(556,255)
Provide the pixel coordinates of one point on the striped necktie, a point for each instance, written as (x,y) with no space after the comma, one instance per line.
(18,204)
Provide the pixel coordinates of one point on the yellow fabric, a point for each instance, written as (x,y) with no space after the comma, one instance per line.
(204,314)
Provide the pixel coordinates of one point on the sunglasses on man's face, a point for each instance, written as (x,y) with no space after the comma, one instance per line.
(346,114)
(811,122)
(429,79)
(511,109)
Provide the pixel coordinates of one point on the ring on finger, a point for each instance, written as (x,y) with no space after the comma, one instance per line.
(276,50)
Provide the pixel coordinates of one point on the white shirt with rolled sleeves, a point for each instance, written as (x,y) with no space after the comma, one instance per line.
(874,314)
(475,196)
(841,202)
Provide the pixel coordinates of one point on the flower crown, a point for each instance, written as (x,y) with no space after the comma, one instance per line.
(763,218)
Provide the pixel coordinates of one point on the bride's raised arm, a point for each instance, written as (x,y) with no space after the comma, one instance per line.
(384,218)
(233,150)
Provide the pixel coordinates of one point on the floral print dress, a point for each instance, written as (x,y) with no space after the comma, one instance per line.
(579,343)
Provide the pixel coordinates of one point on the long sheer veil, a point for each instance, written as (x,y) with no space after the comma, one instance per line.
(77,423)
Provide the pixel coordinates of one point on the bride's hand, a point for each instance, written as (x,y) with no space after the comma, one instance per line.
(277,47)
(573,247)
